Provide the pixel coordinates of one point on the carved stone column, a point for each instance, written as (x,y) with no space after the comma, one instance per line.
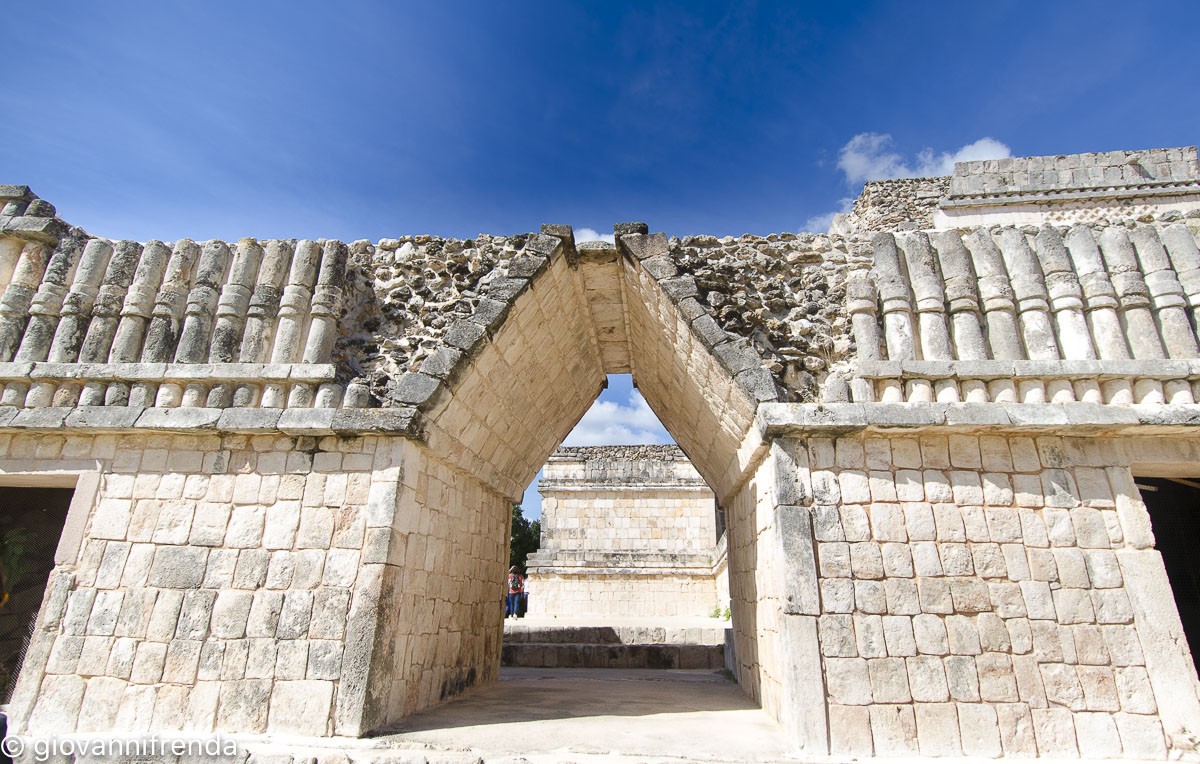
(1033,306)
(261,312)
(106,314)
(73,323)
(861,301)
(199,314)
(293,316)
(162,336)
(14,304)
(44,312)
(1166,293)
(326,309)
(135,315)
(231,315)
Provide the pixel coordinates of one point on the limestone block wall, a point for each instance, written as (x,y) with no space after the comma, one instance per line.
(626,531)
(221,582)
(756,589)
(665,593)
(440,603)
(991,595)
(653,505)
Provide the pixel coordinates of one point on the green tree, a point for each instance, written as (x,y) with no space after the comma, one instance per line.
(525,539)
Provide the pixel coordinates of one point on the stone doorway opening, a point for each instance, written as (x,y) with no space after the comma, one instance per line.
(1174,507)
(31,522)
(632,568)
(625,643)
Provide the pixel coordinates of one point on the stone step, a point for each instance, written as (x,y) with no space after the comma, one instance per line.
(610,655)
(516,632)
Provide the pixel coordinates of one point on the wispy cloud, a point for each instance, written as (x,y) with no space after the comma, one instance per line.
(820,223)
(870,156)
(607,423)
(591,234)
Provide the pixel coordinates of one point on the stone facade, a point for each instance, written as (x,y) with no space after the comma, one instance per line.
(1098,189)
(294,461)
(626,531)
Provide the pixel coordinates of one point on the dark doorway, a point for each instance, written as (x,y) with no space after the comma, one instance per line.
(31,521)
(1174,505)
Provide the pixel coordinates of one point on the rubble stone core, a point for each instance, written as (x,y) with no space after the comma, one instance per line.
(294,461)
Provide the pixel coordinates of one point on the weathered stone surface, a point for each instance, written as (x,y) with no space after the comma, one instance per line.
(178,567)
(300,707)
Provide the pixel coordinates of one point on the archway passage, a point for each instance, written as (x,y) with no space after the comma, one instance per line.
(509,398)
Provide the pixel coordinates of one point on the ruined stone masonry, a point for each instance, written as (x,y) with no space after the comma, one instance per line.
(293,462)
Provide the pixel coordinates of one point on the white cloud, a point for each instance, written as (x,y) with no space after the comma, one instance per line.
(869,156)
(591,234)
(866,157)
(930,163)
(618,424)
(820,223)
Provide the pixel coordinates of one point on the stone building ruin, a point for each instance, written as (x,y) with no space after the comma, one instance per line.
(627,531)
(944,434)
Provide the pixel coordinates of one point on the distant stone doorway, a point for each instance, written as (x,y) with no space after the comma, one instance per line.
(1174,506)
(31,522)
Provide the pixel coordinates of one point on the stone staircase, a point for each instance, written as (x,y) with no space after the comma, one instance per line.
(544,644)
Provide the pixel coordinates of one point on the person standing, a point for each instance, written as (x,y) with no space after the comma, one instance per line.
(516,587)
(525,598)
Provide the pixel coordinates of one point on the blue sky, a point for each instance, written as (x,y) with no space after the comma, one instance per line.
(619,416)
(370,119)
(361,120)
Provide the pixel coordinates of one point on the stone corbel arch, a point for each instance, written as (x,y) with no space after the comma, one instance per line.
(490,404)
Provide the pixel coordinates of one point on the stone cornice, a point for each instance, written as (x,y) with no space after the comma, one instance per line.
(1147,189)
(833,419)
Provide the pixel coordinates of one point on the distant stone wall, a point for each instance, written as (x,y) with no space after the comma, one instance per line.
(1076,172)
(626,531)
(650,596)
(1103,188)
(1075,188)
